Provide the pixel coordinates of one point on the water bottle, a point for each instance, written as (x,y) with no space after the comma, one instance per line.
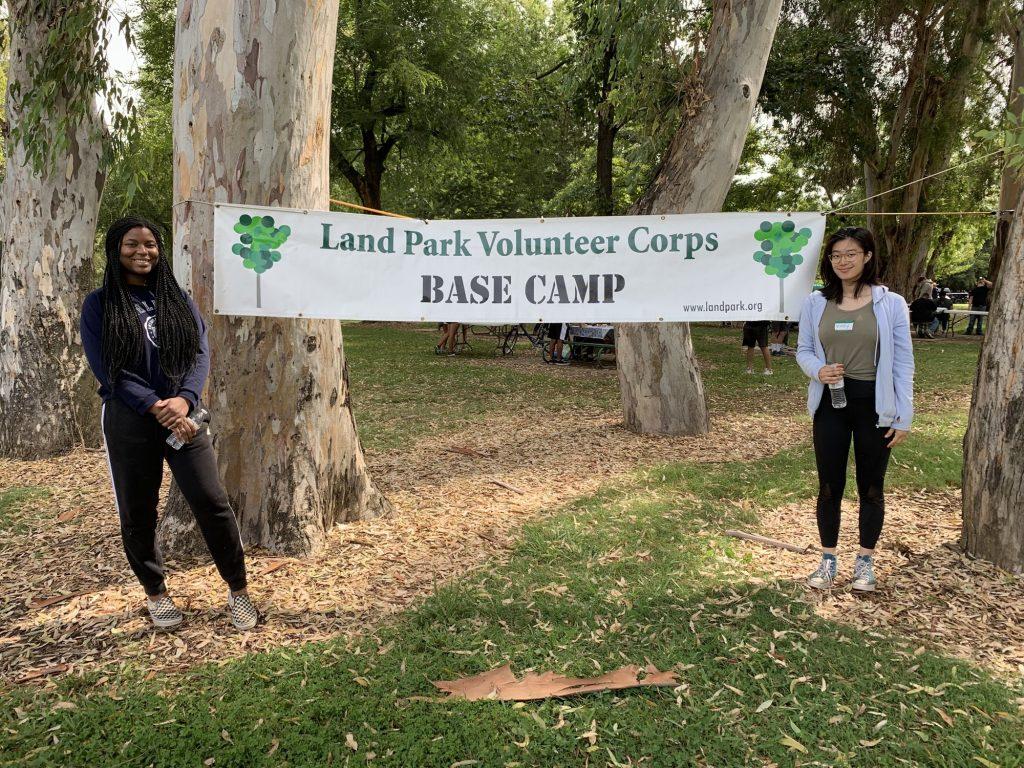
(838,391)
(199,418)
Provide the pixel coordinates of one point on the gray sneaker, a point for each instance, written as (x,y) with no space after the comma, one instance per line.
(164,612)
(863,575)
(825,575)
(243,613)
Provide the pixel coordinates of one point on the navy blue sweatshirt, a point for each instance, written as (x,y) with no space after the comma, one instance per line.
(140,386)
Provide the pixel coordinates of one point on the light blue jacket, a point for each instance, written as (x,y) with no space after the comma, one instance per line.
(894,356)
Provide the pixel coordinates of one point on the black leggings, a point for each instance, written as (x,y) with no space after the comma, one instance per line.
(136,450)
(833,429)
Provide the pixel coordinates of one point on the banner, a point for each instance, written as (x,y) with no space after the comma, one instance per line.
(282,262)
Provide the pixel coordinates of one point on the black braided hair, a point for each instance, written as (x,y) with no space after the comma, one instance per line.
(176,327)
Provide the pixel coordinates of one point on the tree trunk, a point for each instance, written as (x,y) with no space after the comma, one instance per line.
(48,400)
(251,125)
(661,387)
(1010,187)
(606,130)
(993,476)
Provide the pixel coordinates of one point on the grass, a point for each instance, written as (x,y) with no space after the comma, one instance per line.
(14,518)
(402,391)
(638,572)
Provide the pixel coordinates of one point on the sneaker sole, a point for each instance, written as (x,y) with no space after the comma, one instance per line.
(167,623)
(863,587)
(819,586)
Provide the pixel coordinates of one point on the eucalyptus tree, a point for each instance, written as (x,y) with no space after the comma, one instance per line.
(661,387)
(56,148)
(285,434)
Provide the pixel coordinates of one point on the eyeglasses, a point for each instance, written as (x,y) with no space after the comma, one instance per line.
(847,256)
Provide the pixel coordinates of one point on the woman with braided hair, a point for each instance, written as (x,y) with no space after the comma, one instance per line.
(146,344)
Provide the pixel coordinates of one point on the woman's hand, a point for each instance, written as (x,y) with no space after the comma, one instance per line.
(169,412)
(185,429)
(897,435)
(830,374)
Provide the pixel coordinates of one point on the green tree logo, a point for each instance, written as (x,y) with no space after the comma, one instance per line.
(780,251)
(257,244)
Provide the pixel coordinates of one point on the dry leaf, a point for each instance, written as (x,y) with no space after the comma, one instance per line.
(789,741)
(764,705)
(350,742)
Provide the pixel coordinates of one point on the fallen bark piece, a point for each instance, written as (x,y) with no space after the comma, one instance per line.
(770,542)
(38,603)
(501,684)
(507,486)
(44,672)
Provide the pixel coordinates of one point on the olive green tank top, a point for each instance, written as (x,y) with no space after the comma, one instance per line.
(850,338)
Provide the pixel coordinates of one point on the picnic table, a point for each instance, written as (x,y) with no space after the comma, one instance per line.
(590,342)
(505,337)
(956,315)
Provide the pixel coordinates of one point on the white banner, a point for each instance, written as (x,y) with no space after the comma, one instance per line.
(718,266)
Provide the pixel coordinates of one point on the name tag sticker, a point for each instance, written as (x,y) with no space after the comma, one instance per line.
(847,326)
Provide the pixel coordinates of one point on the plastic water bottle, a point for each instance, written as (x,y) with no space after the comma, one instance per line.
(838,392)
(199,418)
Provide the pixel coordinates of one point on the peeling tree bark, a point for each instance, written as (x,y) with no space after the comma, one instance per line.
(660,383)
(252,108)
(48,400)
(994,445)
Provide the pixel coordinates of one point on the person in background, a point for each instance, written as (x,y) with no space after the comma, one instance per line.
(856,333)
(780,330)
(945,302)
(450,332)
(922,312)
(755,334)
(557,333)
(977,301)
(146,344)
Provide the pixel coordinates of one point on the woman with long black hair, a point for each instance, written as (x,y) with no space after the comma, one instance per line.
(146,344)
(855,347)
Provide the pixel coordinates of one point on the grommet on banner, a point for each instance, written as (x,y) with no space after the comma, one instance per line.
(662,218)
(216,311)
(298,314)
(661,319)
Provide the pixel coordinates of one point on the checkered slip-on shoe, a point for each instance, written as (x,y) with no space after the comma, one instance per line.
(243,613)
(164,612)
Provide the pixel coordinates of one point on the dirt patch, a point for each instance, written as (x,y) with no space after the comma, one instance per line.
(927,589)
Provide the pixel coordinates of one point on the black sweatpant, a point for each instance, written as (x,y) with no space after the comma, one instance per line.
(136,448)
(833,429)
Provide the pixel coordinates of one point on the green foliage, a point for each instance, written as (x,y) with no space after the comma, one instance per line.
(61,83)
(141,175)
(780,247)
(401,80)
(896,100)
(1009,137)
(517,143)
(258,241)
(626,70)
